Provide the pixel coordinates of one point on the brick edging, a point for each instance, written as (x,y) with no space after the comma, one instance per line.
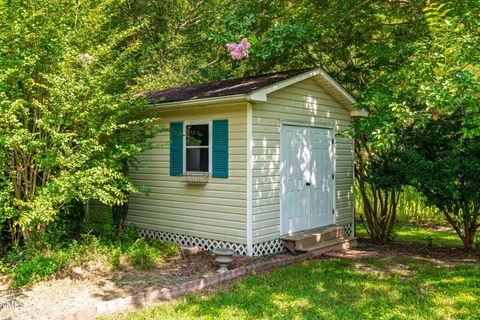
(173,292)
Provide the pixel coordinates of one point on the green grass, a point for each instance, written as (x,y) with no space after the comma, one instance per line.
(338,289)
(413,234)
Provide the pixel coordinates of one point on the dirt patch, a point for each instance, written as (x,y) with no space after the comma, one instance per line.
(352,254)
(448,256)
(438,228)
(83,287)
(390,257)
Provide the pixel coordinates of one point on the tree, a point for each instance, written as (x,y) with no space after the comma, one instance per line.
(439,81)
(67,118)
(445,168)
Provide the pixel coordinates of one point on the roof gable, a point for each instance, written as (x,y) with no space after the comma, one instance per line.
(320,77)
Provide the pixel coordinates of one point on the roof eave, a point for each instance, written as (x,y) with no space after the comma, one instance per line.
(359,113)
(199,102)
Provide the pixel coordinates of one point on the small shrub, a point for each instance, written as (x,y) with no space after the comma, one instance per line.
(39,267)
(88,248)
(130,233)
(114,259)
(106,231)
(170,249)
(146,253)
(142,255)
(128,237)
(44,255)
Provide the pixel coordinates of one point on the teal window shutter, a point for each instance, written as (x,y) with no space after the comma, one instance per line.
(220,149)
(176,148)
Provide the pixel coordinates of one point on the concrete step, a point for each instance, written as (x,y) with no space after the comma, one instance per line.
(301,241)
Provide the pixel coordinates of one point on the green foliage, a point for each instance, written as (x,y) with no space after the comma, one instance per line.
(33,264)
(46,257)
(438,79)
(145,254)
(412,209)
(396,288)
(67,117)
(445,168)
(190,40)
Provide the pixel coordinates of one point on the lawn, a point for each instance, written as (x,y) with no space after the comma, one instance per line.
(412,234)
(388,288)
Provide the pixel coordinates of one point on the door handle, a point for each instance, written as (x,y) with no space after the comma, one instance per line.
(308,184)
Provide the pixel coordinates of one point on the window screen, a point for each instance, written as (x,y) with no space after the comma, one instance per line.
(197,147)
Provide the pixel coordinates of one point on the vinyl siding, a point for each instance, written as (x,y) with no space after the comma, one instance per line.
(304,102)
(216,210)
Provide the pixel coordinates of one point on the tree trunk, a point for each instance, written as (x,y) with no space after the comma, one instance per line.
(466,230)
(379,205)
(119,212)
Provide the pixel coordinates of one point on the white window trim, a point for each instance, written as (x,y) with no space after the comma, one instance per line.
(210,131)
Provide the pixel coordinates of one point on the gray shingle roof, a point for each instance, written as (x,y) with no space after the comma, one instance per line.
(218,88)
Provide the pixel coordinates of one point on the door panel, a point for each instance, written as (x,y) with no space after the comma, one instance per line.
(306,178)
(295,173)
(322,187)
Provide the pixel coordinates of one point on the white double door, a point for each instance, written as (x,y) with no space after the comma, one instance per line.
(307,178)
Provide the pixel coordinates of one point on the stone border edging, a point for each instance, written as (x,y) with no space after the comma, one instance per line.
(173,292)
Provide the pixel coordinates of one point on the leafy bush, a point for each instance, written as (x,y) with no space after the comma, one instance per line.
(38,267)
(143,255)
(35,263)
(41,257)
(68,107)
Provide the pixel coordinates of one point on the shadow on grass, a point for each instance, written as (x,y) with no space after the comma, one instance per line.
(411,234)
(337,289)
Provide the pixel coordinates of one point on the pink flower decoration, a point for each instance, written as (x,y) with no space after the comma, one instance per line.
(85,58)
(239,51)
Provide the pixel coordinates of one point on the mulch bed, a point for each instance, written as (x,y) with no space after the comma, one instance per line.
(88,285)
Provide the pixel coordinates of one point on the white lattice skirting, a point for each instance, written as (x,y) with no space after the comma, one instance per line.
(348,229)
(268,247)
(188,241)
(259,249)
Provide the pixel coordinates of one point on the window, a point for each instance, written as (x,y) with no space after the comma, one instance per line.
(197,147)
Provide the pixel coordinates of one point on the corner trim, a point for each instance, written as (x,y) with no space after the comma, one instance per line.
(249,179)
